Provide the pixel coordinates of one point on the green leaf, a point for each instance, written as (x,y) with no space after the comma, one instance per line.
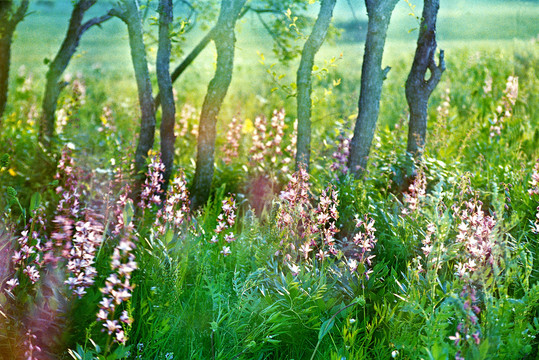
(325,328)
(128,212)
(35,201)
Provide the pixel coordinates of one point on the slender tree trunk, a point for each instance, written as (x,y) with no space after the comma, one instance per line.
(224,39)
(372,77)
(418,90)
(304,82)
(186,62)
(5,55)
(165,88)
(8,24)
(178,71)
(129,14)
(58,65)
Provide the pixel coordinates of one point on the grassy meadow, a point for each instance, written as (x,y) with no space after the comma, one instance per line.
(279,264)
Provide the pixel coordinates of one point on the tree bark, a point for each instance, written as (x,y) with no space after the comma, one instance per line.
(129,14)
(186,62)
(304,82)
(57,67)
(8,23)
(418,90)
(372,77)
(224,39)
(164,82)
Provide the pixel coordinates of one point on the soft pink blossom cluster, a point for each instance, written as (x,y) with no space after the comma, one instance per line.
(31,349)
(175,210)
(233,137)
(427,248)
(475,233)
(186,114)
(365,241)
(294,214)
(117,288)
(505,109)
(340,156)
(68,209)
(27,258)
(267,150)
(534,190)
(414,195)
(325,224)
(225,221)
(153,185)
(86,241)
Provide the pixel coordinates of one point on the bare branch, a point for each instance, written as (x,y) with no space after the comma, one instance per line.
(272,34)
(95,21)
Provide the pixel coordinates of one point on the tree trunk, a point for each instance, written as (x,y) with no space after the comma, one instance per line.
(131,16)
(5,54)
(418,90)
(8,24)
(372,77)
(304,80)
(178,71)
(224,39)
(57,67)
(164,81)
(186,62)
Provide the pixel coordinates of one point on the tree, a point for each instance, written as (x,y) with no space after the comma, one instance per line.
(224,39)
(9,19)
(304,80)
(418,90)
(57,66)
(128,12)
(164,81)
(273,7)
(372,77)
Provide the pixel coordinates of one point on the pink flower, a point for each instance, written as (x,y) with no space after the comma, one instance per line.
(225,251)
(456,338)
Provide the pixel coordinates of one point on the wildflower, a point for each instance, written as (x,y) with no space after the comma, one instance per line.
(475,233)
(117,285)
(226,251)
(226,220)
(29,344)
(152,187)
(294,269)
(505,110)
(12,283)
(175,211)
(267,153)
(186,114)
(415,193)
(327,216)
(233,136)
(295,204)
(456,338)
(340,156)
(111,326)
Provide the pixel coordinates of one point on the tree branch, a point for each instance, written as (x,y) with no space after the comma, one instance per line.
(436,72)
(95,21)
(385,72)
(20,13)
(120,14)
(272,34)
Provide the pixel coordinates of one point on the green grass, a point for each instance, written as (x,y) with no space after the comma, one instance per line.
(193,303)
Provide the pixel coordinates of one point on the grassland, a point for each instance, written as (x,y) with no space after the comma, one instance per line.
(455,266)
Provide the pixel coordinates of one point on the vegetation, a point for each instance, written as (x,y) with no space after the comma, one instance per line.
(423,257)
